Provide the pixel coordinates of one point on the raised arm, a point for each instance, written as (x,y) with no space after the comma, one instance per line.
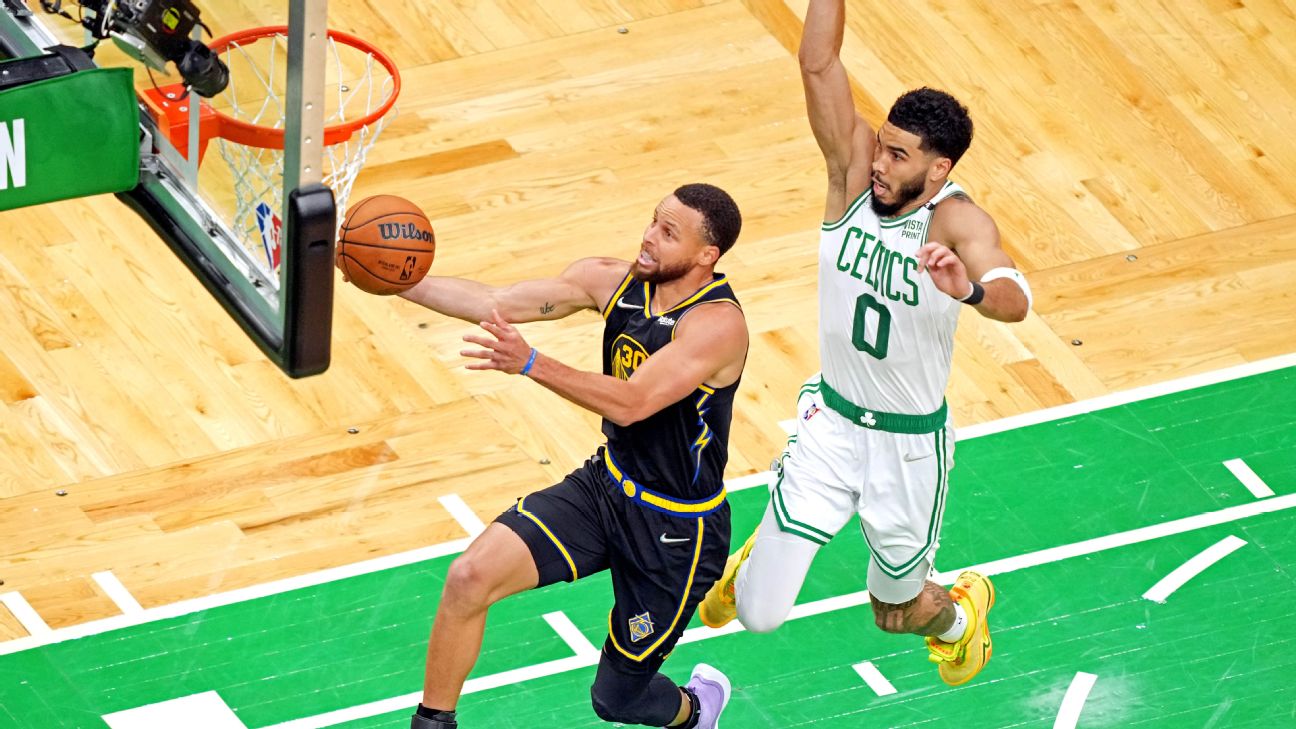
(846,139)
(585,284)
(710,347)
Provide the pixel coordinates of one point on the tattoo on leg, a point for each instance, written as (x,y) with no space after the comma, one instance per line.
(930,613)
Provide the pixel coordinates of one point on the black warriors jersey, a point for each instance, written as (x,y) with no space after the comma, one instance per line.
(681,450)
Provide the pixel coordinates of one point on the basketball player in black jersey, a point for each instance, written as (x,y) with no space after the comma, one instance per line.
(650,504)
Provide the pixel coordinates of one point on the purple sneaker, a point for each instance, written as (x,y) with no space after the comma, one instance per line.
(712,689)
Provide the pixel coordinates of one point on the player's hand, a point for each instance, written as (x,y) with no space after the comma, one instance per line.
(946,269)
(505,350)
(337,263)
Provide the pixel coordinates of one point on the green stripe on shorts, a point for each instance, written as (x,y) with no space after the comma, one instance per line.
(792,526)
(938,504)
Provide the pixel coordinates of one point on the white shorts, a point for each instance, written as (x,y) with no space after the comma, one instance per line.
(896,482)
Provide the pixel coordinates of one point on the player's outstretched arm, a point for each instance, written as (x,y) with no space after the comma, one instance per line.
(846,139)
(710,348)
(965,248)
(585,284)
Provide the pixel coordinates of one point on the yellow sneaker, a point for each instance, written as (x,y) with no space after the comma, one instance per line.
(720,606)
(962,660)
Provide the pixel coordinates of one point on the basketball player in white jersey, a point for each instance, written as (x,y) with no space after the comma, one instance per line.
(902,251)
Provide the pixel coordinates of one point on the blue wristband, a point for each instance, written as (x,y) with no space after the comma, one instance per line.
(527,367)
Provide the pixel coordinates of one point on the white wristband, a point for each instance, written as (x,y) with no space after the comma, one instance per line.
(1015,276)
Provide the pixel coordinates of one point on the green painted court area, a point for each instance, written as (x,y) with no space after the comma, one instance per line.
(1219,652)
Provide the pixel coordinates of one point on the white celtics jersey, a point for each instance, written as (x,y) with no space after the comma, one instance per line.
(886,333)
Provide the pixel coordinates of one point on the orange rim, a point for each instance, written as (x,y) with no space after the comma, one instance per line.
(256,135)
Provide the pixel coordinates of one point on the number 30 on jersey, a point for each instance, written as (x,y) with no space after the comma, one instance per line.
(627,355)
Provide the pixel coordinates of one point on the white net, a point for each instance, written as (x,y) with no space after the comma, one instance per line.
(356,85)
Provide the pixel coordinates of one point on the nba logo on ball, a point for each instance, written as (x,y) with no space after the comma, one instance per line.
(408,270)
(268,224)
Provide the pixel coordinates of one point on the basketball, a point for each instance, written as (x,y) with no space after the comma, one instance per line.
(386,245)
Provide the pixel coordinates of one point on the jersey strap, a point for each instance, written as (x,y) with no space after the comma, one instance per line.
(950,189)
(625,283)
(878,420)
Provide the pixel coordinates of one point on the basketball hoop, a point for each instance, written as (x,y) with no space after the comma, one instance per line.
(248,120)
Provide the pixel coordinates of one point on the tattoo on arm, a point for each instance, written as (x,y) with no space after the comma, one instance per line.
(547,308)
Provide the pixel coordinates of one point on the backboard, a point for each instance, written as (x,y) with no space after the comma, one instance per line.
(265,251)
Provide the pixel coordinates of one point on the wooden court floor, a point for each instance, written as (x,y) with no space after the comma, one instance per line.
(1133,155)
(1107,616)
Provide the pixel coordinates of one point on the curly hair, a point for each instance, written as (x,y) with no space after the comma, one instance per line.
(721,221)
(937,118)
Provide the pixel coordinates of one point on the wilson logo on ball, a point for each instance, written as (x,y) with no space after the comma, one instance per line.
(386,245)
(403,231)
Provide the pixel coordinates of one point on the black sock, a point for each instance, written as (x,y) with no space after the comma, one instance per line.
(696,707)
(435,714)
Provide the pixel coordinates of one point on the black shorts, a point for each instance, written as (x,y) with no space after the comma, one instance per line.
(662,563)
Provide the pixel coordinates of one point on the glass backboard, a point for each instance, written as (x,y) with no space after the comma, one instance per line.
(255,224)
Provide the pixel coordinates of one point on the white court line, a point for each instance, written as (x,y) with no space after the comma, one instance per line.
(458,545)
(1243,472)
(117,592)
(826,605)
(874,678)
(466,517)
(471,686)
(206,710)
(1193,567)
(207,602)
(1113,399)
(581,661)
(1052,554)
(22,610)
(1126,397)
(288,584)
(586,655)
(570,634)
(1074,701)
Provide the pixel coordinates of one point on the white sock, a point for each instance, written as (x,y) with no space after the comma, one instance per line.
(956,631)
